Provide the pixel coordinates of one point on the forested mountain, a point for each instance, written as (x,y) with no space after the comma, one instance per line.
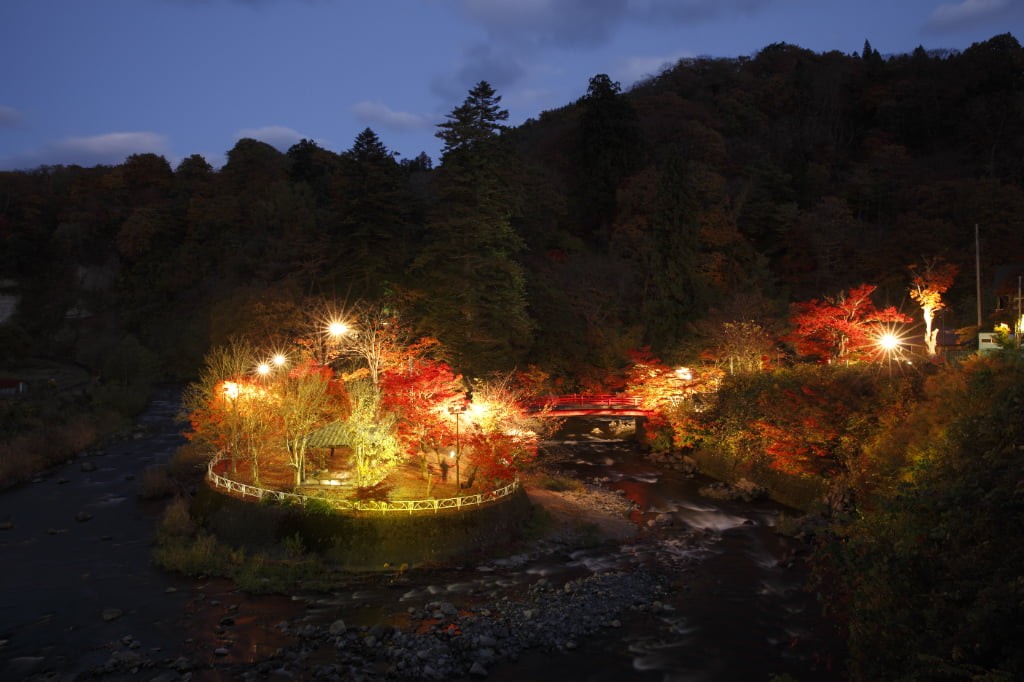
(718,190)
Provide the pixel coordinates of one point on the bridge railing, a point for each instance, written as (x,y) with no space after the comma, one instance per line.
(605,400)
(244,490)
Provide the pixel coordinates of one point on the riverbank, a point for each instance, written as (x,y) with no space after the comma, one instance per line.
(594,595)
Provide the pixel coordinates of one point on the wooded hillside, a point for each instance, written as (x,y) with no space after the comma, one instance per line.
(720,190)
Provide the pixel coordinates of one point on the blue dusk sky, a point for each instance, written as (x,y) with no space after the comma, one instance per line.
(92,81)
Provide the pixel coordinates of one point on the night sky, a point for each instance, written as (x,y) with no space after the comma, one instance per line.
(91,81)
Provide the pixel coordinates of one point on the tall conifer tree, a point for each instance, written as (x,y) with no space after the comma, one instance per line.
(473,289)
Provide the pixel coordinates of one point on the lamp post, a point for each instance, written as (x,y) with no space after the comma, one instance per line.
(457,411)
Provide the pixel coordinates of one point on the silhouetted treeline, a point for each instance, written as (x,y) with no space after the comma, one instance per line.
(718,190)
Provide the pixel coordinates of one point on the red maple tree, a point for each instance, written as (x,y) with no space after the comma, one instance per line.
(845,327)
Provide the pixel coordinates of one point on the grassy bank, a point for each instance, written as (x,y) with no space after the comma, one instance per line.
(62,413)
(276,548)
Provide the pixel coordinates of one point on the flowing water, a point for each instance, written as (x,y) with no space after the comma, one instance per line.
(736,608)
(78,584)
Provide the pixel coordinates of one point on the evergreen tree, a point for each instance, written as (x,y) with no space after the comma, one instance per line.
(372,216)
(472,291)
(609,151)
(474,124)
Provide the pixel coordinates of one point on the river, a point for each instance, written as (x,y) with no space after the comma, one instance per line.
(79,596)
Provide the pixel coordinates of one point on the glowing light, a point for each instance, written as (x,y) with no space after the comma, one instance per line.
(451,454)
(231,389)
(888,341)
(337,328)
(478,409)
(280,359)
(263,369)
(684,373)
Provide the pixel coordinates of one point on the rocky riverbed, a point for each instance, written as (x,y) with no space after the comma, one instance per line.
(635,576)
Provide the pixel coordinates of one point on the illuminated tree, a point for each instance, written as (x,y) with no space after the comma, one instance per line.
(930,280)
(745,345)
(841,328)
(501,434)
(260,422)
(211,401)
(306,405)
(376,336)
(673,395)
(371,435)
(418,392)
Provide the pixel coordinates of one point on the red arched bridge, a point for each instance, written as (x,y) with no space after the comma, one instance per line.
(587,405)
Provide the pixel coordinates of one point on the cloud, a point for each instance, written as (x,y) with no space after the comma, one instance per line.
(9,117)
(633,69)
(96,150)
(568,23)
(589,23)
(278,137)
(480,62)
(969,12)
(485,63)
(249,3)
(386,118)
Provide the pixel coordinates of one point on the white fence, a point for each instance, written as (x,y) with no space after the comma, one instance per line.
(245,490)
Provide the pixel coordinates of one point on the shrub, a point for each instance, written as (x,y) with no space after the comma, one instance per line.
(316,506)
(197,556)
(156,483)
(176,521)
(189,462)
(293,546)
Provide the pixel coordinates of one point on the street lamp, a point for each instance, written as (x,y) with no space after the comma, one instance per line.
(457,411)
(337,329)
(888,342)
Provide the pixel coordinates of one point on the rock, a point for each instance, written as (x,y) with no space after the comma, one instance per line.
(87,466)
(227,620)
(124,660)
(167,677)
(110,614)
(664,519)
(22,667)
(382,631)
(337,627)
(221,651)
(478,670)
(82,516)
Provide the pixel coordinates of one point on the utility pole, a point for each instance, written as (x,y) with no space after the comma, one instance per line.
(1019,326)
(977,273)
